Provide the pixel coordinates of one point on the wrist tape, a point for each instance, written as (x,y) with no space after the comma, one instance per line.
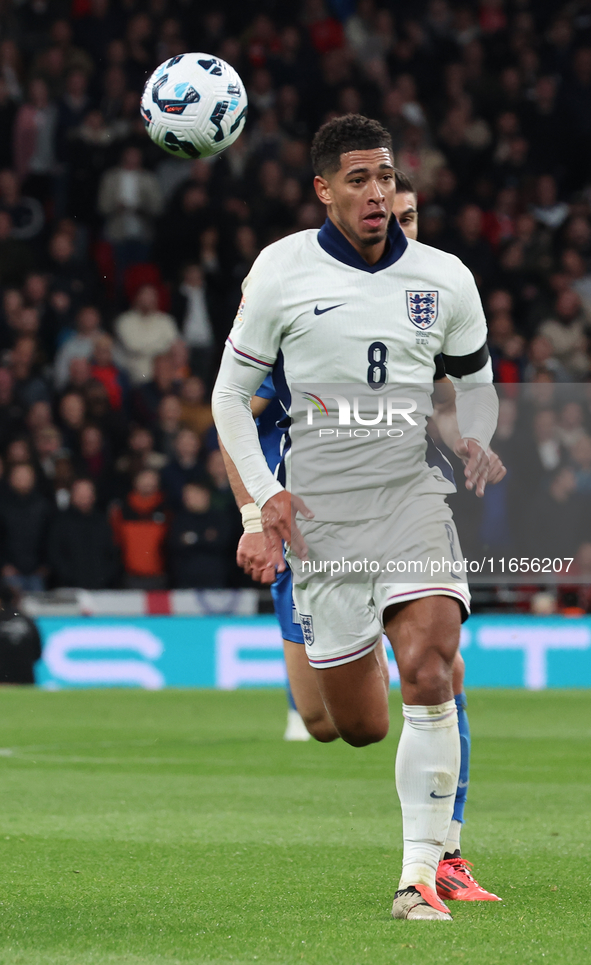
(251,518)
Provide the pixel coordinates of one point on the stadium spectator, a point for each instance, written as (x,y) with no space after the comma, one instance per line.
(11,414)
(470,245)
(168,424)
(195,411)
(16,258)
(179,356)
(72,416)
(571,424)
(140,527)
(34,142)
(79,345)
(112,422)
(20,643)
(73,532)
(48,446)
(580,453)
(183,467)
(148,396)
(140,454)
(72,107)
(29,385)
(129,198)
(69,272)
(24,520)
(192,313)
(567,331)
(198,540)
(144,332)
(94,461)
(562,510)
(104,370)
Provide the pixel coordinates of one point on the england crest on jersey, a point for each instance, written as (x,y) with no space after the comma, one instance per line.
(307,628)
(422,308)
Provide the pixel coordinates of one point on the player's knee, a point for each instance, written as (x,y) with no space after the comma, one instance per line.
(363,734)
(321,728)
(323,731)
(430,676)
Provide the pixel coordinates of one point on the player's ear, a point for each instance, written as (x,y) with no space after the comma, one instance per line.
(322,188)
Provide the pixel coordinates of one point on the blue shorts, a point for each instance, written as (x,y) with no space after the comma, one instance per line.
(281,591)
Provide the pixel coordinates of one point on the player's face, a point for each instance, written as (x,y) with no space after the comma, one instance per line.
(359,198)
(405,209)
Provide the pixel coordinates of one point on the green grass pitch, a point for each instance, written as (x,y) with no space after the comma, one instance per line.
(177,826)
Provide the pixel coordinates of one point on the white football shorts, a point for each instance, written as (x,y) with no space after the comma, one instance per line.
(418,554)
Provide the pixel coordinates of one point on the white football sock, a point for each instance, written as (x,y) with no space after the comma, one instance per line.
(427,768)
(452,842)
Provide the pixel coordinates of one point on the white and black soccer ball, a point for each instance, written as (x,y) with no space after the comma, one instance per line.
(194,105)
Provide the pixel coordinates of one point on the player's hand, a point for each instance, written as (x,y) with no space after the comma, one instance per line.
(251,557)
(496,469)
(278,519)
(476,462)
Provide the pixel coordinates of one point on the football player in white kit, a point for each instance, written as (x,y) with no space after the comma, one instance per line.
(316,302)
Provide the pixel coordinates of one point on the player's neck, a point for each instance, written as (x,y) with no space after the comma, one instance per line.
(370,253)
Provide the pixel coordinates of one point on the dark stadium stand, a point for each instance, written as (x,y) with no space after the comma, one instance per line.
(121,267)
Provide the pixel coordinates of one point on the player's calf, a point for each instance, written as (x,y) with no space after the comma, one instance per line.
(355,695)
(306,695)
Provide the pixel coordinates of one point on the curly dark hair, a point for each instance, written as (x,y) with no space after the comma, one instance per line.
(352,132)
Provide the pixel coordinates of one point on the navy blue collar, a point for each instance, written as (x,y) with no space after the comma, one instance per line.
(335,244)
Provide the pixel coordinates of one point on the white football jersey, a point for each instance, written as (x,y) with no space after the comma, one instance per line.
(324,312)
(315,313)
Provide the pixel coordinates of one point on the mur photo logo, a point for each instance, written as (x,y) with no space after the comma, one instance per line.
(355,412)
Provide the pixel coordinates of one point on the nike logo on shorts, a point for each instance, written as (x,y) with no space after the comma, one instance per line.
(321,311)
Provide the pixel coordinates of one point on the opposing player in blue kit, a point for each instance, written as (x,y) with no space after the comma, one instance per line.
(360,287)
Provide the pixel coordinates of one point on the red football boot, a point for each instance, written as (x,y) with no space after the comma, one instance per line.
(455,882)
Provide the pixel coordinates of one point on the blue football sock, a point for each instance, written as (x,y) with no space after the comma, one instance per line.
(290,699)
(464,778)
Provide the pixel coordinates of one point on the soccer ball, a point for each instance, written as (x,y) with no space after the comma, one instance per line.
(194,105)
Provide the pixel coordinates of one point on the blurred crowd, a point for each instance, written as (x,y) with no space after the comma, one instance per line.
(542,508)
(120,267)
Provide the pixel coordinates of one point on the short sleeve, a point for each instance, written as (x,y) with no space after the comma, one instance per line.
(256,333)
(466,330)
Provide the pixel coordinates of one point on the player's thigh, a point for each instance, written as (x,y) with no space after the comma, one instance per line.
(425,635)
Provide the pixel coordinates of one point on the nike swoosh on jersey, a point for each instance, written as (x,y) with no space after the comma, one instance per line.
(321,311)
(433,794)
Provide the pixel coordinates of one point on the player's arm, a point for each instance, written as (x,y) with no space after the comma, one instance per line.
(250,353)
(239,490)
(251,554)
(446,420)
(237,381)
(467,364)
